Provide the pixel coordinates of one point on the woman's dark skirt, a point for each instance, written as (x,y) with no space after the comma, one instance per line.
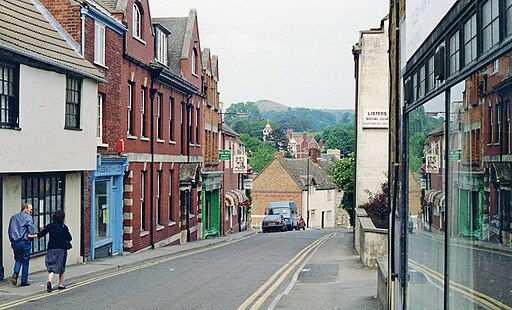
(56,260)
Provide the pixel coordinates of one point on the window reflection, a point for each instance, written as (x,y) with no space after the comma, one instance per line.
(426,205)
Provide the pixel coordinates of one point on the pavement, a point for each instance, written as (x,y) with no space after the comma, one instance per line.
(333,277)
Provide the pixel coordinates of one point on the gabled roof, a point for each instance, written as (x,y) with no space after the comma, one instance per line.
(298,170)
(206,59)
(224,127)
(25,29)
(182,29)
(116,6)
(177,26)
(215,66)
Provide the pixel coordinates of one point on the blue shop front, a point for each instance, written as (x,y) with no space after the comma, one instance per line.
(107,206)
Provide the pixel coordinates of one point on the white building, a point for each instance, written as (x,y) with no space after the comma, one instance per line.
(372,111)
(48,115)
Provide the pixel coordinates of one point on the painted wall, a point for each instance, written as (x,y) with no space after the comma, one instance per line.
(319,202)
(43,144)
(372,143)
(12,205)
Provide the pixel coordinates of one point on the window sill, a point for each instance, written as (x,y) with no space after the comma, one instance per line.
(160,141)
(159,227)
(131,137)
(139,39)
(104,145)
(195,75)
(171,223)
(73,129)
(191,216)
(10,127)
(172,142)
(144,139)
(100,65)
(144,233)
(198,145)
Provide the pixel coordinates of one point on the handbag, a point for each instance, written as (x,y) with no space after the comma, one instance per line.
(69,246)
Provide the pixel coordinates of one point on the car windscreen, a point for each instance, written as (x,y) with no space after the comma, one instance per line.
(283,211)
(272,218)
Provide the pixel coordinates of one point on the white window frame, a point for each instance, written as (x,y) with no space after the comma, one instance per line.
(161,47)
(137,22)
(171,123)
(130,117)
(143,123)
(194,61)
(99,120)
(99,43)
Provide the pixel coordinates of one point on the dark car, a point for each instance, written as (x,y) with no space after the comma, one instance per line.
(301,224)
(273,222)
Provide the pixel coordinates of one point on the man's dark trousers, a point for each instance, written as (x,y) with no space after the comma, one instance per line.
(22,256)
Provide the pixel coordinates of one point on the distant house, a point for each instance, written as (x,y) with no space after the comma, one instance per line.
(298,146)
(287,179)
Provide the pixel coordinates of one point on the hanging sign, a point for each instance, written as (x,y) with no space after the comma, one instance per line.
(240,164)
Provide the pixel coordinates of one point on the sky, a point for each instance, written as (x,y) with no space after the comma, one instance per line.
(294,52)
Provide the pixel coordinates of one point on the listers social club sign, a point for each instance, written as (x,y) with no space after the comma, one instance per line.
(375,118)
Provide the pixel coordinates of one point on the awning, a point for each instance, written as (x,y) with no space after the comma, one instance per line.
(231,199)
(243,200)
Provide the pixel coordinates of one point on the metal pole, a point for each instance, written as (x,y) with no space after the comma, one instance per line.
(307,198)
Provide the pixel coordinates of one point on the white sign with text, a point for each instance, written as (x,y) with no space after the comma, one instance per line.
(375,118)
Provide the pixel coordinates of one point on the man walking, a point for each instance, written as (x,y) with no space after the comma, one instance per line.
(21,230)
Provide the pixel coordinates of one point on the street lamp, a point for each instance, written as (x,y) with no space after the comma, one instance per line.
(155,74)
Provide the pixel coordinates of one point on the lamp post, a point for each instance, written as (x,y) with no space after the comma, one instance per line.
(307,197)
(155,74)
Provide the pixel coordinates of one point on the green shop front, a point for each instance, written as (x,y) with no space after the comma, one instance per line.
(211,203)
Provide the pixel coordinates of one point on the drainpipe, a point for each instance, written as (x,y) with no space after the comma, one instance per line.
(82,214)
(189,194)
(82,31)
(155,74)
(392,275)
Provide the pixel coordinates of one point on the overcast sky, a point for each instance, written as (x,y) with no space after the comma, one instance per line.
(295,52)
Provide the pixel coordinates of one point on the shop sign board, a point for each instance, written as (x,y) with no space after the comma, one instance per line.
(375,118)
(224,154)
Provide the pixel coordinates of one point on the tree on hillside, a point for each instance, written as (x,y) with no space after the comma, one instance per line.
(342,172)
(278,139)
(340,137)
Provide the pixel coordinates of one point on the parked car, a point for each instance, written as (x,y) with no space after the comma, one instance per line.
(273,222)
(301,224)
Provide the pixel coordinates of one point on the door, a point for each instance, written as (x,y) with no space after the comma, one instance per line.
(102,211)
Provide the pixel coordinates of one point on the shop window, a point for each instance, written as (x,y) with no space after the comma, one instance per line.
(490,24)
(430,74)
(470,46)
(453,57)
(46,195)
(421,88)
(508,14)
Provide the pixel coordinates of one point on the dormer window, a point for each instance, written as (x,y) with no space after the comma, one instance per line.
(161,46)
(137,22)
(194,61)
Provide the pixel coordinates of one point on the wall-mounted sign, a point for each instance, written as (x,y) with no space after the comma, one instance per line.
(432,161)
(248,184)
(455,155)
(240,164)
(375,118)
(224,154)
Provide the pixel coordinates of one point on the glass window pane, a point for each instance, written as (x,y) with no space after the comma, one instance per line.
(426,221)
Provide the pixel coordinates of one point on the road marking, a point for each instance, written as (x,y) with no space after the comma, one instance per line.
(112,274)
(464,290)
(283,271)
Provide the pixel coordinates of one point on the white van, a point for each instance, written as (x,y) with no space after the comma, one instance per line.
(288,209)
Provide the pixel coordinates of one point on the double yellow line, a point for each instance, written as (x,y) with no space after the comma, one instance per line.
(278,277)
(481,298)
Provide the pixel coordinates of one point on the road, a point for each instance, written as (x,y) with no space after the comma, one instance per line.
(252,273)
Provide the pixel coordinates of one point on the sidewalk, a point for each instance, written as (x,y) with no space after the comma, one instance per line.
(90,269)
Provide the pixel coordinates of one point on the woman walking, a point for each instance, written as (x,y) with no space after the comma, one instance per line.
(56,256)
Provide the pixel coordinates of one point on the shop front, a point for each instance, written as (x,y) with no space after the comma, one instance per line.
(212,182)
(107,207)
(457,133)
